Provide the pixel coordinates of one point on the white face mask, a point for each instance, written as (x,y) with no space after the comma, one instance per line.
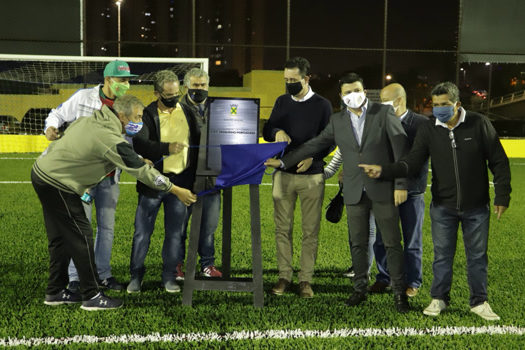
(354,99)
(390,103)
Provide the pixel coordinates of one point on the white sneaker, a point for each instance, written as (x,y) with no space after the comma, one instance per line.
(435,307)
(484,311)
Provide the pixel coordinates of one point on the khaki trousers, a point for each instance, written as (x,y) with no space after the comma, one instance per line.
(310,190)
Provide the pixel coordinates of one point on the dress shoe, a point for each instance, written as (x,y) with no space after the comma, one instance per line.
(305,290)
(356,299)
(280,287)
(401,303)
(379,287)
(412,291)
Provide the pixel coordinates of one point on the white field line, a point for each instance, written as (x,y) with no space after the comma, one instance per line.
(269,334)
(491,184)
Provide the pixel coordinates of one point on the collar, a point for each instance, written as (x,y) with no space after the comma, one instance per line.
(462,114)
(403,116)
(308,95)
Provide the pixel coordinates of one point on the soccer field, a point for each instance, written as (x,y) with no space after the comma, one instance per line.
(154,318)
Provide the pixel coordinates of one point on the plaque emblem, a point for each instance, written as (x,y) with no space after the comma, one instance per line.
(233,109)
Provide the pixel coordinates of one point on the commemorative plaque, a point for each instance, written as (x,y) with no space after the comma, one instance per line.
(232,121)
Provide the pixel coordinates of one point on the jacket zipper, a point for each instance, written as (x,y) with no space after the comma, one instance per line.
(456,170)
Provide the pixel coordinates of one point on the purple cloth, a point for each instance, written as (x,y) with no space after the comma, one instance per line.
(244,164)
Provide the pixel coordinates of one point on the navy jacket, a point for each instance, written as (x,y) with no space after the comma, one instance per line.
(417,184)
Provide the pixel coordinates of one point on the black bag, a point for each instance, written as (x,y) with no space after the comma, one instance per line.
(334,209)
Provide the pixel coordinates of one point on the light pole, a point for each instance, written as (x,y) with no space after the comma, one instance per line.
(464,71)
(489,94)
(118,3)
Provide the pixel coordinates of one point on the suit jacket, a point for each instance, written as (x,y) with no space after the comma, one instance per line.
(384,141)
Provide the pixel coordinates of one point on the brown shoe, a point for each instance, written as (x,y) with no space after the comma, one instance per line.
(305,290)
(280,287)
(412,292)
(379,287)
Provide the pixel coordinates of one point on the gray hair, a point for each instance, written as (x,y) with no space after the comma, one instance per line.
(126,103)
(162,77)
(447,88)
(195,72)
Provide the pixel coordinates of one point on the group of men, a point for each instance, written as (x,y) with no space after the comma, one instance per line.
(384,149)
(84,165)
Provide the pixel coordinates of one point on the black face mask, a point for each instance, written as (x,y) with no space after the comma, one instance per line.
(198,95)
(169,102)
(294,88)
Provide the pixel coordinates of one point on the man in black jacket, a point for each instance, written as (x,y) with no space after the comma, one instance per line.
(460,143)
(169,128)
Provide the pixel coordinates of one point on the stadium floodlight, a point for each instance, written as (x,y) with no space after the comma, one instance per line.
(31,85)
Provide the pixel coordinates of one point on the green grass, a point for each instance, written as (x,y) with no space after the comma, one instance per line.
(24,263)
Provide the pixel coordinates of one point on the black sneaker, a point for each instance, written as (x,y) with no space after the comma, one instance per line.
(111,283)
(63,297)
(101,302)
(74,286)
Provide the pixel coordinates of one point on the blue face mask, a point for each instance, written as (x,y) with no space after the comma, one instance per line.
(133,128)
(443,113)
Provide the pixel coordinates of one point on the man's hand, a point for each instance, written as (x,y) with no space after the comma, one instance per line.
(373,171)
(184,195)
(499,210)
(176,147)
(400,196)
(272,162)
(282,136)
(304,165)
(52,133)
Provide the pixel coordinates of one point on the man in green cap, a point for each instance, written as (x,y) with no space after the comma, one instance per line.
(84,103)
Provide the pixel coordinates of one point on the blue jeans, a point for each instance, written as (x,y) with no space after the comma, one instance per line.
(176,216)
(105,196)
(411,214)
(475,227)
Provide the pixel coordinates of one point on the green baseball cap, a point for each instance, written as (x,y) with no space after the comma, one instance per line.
(117,69)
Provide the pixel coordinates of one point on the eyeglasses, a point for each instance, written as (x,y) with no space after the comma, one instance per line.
(452,139)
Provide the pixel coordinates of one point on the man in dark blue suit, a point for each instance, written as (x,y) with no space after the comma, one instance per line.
(412,211)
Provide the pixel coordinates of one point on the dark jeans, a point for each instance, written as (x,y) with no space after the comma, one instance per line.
(475,227)
(411,213)
(387,220)
(176,216)
(70,236)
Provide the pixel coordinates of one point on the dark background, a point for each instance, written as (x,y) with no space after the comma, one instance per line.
(238,36)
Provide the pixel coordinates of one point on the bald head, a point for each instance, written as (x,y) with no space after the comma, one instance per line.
(396,94)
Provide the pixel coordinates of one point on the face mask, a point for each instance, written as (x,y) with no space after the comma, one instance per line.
(119,89)
(390,103)
(294,88)
(169,102)
(443,113)
(354,99)
(198,95)
(133,128)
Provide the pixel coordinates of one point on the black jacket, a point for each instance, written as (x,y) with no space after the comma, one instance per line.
(147,143)
(459,161)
